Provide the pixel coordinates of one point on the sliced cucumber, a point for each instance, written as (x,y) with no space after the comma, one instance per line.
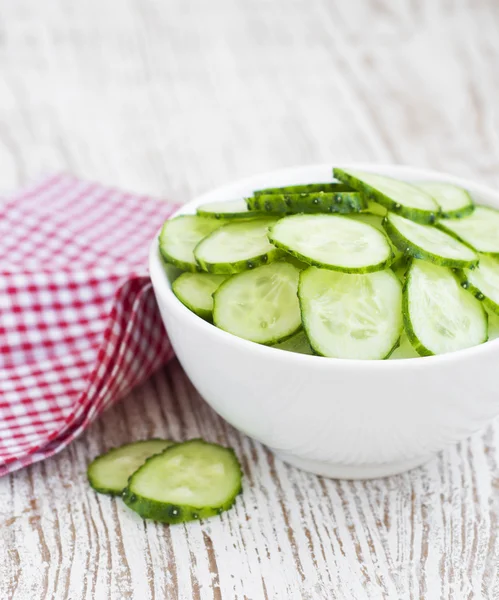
(351,316)
(180,236)
(397,196)
(297,343)
(236,247)
(454,202)
(428,243)
(483,282)
(439,315)
(311,202)
(109,472)
(404,349)
(232,209)
(376,220)
(189,481)
(479,230)
(307,188)
(196,290)
(260,305)
(333,242)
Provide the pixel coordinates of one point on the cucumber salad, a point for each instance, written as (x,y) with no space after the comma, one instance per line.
(362,267)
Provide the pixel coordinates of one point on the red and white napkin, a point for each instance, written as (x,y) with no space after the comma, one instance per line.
(79,325)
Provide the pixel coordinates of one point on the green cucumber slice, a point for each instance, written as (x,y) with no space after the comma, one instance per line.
(454,202)
(397,196)
(109,472)
(439,315)
(180,236)
(189,481)
(480,230)
(297,343)
(483,282)
(351,316)
(308,202)
(195,290)
(333,242)
(307,188)
(260,305)
(428,243)
(376,220)
(232,209)
(236,247)
(404,349)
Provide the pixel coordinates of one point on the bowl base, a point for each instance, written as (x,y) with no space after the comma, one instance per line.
(361,471)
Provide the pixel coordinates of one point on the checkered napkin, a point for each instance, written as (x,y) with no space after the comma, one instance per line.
(79,325)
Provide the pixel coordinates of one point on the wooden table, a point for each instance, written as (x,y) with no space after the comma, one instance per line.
(176,97)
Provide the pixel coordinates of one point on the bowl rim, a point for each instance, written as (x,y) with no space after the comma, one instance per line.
(162,286)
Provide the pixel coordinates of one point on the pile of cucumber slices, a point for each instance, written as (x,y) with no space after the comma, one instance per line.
(355,268)
(167,481)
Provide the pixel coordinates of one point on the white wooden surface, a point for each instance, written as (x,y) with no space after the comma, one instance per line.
(172,98)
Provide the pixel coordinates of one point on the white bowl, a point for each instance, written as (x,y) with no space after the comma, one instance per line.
(335,417)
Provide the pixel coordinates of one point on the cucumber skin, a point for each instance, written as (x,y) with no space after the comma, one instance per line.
(109,491)
(409,329)
(409,249)
(330,187)
(241,265)
(307,203)
(468,286)
(239,216)
(357,271)
(460,213)
(165,512)
(417,215)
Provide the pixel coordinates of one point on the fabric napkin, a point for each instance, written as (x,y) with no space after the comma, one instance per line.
(79,325)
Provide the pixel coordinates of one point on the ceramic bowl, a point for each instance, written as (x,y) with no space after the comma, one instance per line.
(336,417)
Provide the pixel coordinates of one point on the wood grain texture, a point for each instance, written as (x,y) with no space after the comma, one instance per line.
(173,98)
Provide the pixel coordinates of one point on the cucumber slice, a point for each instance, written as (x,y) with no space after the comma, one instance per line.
(180,236)
(454,202)
(189,481)
(483,282)
(297,343)
(397,196)
(404,349)
(233,209)
(260,305)
(236,247)
(333,242)
(109,472)
(351,316)
(439,315)
(307,188)
(195,290)
(428,243)
(479,230)
(311,202)
(376,220)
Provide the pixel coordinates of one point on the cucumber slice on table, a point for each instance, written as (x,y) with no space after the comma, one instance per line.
(333,242)
(297,343)
(439,315)
(189,481)
(260,305)
(306,188)
(180,236)
(351,316)
(109,472)
(454,202)
(397,196)
(428,243)
(483,282)
(341,202)
(195,290)
(236,247)
(232,209)
(479,230)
